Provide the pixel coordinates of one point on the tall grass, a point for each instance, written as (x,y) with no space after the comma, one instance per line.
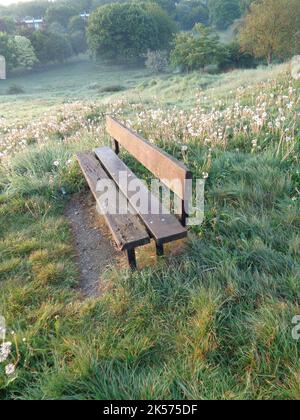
(214,323)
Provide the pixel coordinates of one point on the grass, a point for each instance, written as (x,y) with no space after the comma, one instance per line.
(214,323)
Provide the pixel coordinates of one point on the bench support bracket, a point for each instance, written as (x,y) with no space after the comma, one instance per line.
(131,258)
(159,250)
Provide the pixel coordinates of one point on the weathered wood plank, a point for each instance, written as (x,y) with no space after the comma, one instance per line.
(163,226)
(127,230)
(166,168)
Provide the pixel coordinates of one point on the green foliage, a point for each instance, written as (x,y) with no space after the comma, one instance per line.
(77,24)
(78,42)
(190,12)
(7,25)
(224,12)
(165,26)
(60,13)
(235,58)
(123,31)
(271,29)
(77,33)
(197,49)
(26,57)
(8,49)
(51,47)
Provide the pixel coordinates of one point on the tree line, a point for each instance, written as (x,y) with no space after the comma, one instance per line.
(159,32)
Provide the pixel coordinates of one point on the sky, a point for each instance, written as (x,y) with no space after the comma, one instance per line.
(7,2)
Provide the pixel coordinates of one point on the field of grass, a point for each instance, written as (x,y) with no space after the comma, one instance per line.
(214,323)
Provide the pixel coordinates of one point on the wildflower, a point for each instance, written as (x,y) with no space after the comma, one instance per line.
(205,175)
(5,350)
(254,143)
(56,163)
(10,369)
(184,149)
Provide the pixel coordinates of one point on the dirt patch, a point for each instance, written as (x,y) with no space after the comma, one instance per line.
(95,250)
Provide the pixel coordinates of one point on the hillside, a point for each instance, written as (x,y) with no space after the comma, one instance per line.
(214,322)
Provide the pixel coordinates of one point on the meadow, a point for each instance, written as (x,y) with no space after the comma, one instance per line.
(213,323)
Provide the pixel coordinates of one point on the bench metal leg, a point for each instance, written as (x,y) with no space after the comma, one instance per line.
(159,250)
(131,258)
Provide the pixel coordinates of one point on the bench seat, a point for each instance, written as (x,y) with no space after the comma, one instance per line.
(127,230)
(163,226)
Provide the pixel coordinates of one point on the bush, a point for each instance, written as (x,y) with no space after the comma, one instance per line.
(234,57)
(112,88)
(15,90)
(196,49)
(51,47)
(26,57)
(157,61)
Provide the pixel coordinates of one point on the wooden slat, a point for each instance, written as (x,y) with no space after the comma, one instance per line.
(127,229)
(166,168)
(163,227)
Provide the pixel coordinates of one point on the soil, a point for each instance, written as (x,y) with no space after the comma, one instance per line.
(95,250)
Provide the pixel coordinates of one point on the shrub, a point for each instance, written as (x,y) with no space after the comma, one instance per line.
(157,61)
(51,47)
(15,90)
(196,49)
(26,57)
(234,57)
(112,88)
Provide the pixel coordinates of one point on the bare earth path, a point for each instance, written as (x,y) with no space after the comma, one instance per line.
(95,250)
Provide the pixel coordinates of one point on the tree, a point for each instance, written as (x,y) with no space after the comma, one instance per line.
(168,5)
(39,42)
(76,23)
(165,26)
(224,12)
(197,49)
(7,25)
(26,57)
(190,12)
(271,29)
(78,42)
(9,50)
(123,31)
(60,13)
(58,47)
(51,47)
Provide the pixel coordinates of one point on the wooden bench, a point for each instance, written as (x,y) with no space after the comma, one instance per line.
(137,227)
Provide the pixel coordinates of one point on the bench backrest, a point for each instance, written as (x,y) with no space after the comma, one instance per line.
(171,172)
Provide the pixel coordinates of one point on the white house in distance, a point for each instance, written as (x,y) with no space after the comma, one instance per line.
(33,23)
